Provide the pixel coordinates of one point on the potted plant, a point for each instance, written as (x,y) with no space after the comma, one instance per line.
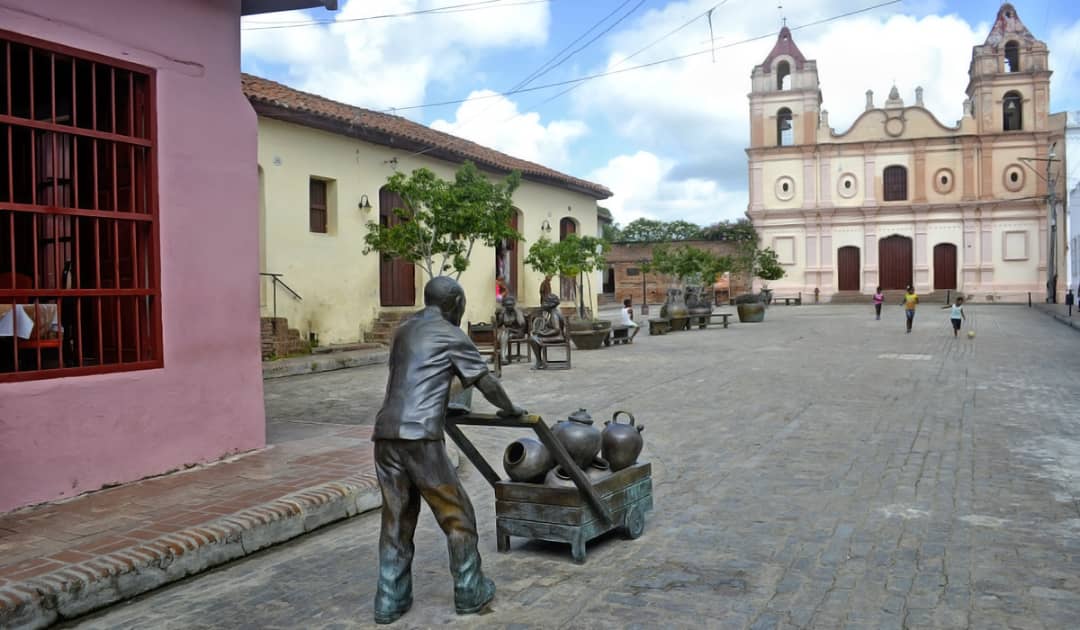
(442,220)
(762,264)
(574,257)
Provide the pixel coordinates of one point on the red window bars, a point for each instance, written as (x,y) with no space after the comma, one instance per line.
(79,279)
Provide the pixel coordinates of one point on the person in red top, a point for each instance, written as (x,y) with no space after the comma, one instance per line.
(879,297)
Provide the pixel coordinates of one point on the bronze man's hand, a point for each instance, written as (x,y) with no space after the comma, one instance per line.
(515,412)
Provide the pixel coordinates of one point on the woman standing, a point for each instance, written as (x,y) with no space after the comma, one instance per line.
(910,301)
(879,297)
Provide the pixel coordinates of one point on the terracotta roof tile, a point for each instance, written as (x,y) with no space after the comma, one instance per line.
(386,129)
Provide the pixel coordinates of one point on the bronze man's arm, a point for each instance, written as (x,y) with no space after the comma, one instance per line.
(493,390)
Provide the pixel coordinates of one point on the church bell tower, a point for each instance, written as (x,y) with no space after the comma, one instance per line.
(785,98)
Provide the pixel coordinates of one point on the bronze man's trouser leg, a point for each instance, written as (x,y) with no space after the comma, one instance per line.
(409,469)
(401,507)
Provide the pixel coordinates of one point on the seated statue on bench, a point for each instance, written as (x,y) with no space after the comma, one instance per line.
(509,325)
(547,328)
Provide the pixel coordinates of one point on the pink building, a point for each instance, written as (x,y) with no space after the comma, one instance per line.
(129,306)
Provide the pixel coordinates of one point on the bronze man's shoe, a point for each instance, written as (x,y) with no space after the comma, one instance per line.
(475,601)
(390,616)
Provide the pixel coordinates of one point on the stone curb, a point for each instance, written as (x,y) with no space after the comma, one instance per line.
(323,362)
(77,589)
(1064,319)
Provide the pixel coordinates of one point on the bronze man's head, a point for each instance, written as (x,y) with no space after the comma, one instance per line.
(446,294)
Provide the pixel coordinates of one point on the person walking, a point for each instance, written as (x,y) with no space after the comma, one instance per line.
(911,300)
(879,297)
(956,315)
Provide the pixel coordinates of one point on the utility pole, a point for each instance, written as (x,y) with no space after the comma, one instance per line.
(1051,199)
(1051,265)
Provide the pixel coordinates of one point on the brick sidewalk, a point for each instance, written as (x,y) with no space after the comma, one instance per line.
(64,559)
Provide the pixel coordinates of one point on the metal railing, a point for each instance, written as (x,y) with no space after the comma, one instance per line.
(275,277)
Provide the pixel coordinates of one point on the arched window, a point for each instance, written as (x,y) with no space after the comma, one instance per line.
(894,183)
(1012,110)
(785,131)
(783,76)
(1012,57)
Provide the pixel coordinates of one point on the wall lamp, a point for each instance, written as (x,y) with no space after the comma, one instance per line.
(364,203)
(545,227)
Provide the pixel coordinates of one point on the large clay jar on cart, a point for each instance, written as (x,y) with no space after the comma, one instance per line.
(580,438)
(621,443)
(527,460)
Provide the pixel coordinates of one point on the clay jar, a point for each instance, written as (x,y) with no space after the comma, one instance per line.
(557,478)
(621,442)
(580,438)
(527,460)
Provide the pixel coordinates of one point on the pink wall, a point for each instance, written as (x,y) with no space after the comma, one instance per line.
(61,437)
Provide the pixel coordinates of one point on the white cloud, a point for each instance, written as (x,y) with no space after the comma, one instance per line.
(692,116)
(643,188)
(1064,44)
(521,135)
(387,62)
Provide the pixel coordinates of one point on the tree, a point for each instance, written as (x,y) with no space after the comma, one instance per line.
(573,256)
(612,233)
(651,230)
(688,265)
(442,220)
(739,230)
(768,266)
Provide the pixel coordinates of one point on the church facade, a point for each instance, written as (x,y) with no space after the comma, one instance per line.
(901,198)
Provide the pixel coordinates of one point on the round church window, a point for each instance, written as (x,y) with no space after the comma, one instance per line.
(943,181)
(847,185)
(785,188)
(1013,178)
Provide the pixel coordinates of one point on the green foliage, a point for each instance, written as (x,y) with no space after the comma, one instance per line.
(690,265)
(768,265)
(741,230)
(569,257)
(651,230)
(444,219)
(612,233)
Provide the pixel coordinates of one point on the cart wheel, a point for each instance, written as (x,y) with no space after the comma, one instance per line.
(634,523)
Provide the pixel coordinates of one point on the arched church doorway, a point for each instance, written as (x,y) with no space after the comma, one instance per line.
(847,268)
(895,262)
(944,266)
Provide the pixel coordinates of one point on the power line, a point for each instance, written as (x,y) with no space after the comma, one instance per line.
(625,59)
(467,7)
(658,62)
(554,61)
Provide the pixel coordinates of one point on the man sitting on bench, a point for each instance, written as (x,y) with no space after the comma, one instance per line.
(628,318)
(547,329)
(509,326)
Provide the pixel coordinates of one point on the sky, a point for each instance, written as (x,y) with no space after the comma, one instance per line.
(668,138)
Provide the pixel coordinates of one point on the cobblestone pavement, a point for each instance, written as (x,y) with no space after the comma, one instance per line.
(820,470)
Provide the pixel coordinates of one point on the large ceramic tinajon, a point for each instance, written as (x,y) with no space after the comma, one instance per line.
(580,438)
(621,443)
(527,460)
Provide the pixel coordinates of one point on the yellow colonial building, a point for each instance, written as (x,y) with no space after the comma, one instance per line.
(902,198)
(323,167)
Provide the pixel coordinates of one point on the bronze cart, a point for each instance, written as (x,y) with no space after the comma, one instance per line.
(573,515)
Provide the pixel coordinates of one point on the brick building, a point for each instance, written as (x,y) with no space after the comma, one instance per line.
(624,277)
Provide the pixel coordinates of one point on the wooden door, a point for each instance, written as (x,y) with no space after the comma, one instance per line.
(847,268)
(895,262)
(945,266)
(397,285)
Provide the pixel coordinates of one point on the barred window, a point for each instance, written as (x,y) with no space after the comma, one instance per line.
(79,276)
(895,183)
